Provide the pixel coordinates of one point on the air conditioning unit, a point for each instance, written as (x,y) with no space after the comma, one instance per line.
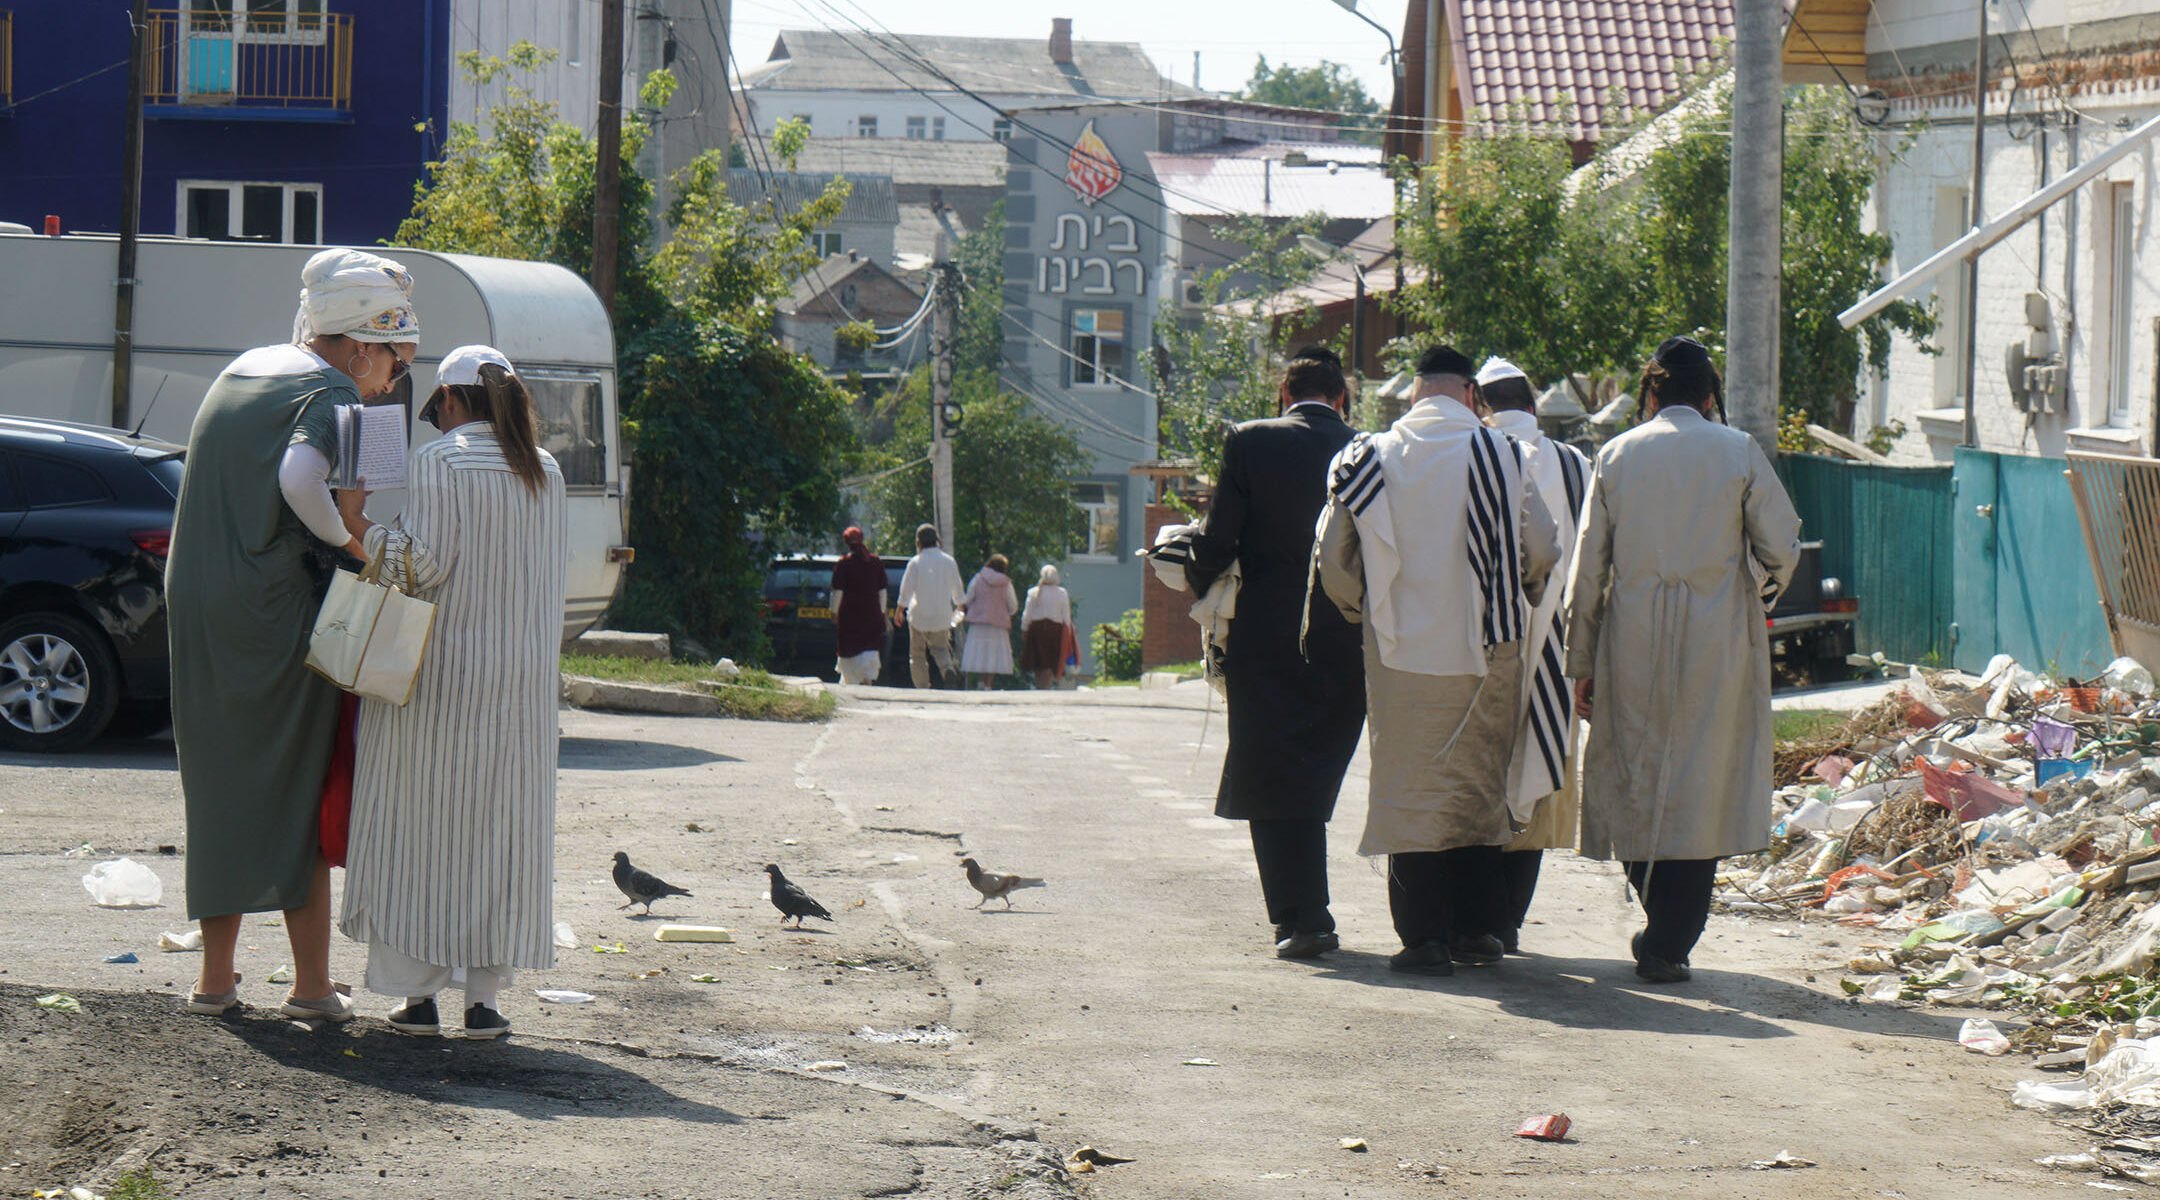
(1192,295)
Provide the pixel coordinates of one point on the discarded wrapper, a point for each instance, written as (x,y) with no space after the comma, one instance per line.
(128,957)
(555,996)
(693,933)
(1550,1128)
(1785,1160)
(1355,1145)
(169,941)
(1087,1158)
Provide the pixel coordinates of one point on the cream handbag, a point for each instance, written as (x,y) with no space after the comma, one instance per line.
(369,637)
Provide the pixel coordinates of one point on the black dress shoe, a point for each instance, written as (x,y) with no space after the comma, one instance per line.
(1651,969)
(1283,933)
(1425,958)
(1511,941)
(1481,951)
(1307,945)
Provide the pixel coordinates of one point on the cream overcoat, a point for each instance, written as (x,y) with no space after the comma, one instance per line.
(1685,532)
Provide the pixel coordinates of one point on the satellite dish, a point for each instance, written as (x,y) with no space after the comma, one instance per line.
(1871,107)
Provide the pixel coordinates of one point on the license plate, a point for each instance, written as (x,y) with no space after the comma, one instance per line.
(814,613)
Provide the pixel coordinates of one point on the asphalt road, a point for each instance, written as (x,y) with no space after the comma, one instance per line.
(1133,1005)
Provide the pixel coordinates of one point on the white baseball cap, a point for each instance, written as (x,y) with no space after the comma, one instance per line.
(461,367)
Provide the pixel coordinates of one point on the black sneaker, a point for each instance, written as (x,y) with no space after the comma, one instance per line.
(1481,951)
(482,1023)
(1307,945)
(419,1020)
(1425,958)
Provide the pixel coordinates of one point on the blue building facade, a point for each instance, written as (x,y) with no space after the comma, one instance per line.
(266,120)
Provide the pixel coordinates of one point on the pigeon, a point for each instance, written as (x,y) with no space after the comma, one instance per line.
(641,887)
(995,886)
(792,901)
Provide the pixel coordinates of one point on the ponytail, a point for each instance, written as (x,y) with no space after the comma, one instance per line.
(500,399)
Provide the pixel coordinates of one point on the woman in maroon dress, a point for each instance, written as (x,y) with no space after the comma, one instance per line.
(858,603)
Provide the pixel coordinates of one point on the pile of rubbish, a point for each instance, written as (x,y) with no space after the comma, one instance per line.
(2000,835)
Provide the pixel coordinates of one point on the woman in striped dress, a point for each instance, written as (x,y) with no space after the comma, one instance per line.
(450,866)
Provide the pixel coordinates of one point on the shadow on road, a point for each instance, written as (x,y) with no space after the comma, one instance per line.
(630,754)
(131,754)
(535,1082)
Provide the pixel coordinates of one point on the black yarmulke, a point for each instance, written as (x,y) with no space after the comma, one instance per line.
(1445,360)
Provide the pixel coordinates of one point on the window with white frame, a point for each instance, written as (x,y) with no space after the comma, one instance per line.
(258,20)
(2122,276)
(1098,504)
(1098,346)
(937,129)
(828,244)
(866,125)
(220,211)
(1001,129)
(916,127)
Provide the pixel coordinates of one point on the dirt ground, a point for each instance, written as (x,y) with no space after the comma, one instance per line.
(1132,1005)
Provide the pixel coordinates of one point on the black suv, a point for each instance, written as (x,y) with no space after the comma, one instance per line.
(799,621)
(86,518)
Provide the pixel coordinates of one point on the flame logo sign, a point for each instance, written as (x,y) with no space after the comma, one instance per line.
(1091,171)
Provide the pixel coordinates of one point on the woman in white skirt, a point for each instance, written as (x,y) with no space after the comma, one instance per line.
(990,604)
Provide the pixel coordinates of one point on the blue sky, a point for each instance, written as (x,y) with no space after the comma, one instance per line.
(1227,33)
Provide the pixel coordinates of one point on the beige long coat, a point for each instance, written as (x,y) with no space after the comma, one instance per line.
(1685,531)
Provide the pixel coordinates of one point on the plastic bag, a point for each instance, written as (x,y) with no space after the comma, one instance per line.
(123,883)
(565,937)
(1982,1037)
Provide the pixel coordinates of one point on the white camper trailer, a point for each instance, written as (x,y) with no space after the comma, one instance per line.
(200,304)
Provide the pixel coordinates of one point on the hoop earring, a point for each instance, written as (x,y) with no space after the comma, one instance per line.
(361,356)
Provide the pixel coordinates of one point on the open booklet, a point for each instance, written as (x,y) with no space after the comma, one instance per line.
(371,446)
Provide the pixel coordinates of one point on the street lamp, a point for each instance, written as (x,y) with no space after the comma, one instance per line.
(1325,252)
(1395,57)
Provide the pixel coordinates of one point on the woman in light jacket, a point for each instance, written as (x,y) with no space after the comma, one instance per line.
(991,602)
(1044,626)
(451,862)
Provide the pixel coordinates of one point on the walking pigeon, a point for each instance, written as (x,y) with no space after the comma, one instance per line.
(996,886)
(641,887)
(792,901)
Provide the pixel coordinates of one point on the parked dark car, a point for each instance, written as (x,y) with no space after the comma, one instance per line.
(86,518)
(799,621)
(1811,627)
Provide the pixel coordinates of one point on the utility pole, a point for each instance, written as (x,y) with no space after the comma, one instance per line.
(1754,271)
(1967,372)
(130,222)
(942,302)
(607,171)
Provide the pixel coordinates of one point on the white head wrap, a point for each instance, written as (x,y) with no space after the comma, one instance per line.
(1497,369)
(1049,575)
(363,296)
(461,367)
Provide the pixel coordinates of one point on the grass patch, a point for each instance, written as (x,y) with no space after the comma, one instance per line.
(1806,724)
(754,695)
(138,1185)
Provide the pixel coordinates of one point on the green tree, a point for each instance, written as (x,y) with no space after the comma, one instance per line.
(979,339)
(738,445)
(1012,474)
(1329,87)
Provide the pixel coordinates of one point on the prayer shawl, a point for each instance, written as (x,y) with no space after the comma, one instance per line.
(1561,476)
(1438,611)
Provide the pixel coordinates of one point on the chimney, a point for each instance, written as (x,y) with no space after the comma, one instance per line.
(1061,40)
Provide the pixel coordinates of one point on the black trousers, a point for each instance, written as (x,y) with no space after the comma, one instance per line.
(1440,895)
(1292,857)
(1518,884)
(1675,894)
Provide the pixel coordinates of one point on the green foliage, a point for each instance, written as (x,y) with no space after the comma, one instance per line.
(979,333)
(1329,87)
(739,442)
(1012,475)
(753,695)
(1592,282)
(1792,434)
(1881,438)
(138,1184)
(1116,648)
(1224,367)
(738,446)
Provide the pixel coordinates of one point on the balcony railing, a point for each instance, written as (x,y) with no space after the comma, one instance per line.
(7,59)
(274,59)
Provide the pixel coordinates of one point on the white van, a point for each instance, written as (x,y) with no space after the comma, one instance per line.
(200,304)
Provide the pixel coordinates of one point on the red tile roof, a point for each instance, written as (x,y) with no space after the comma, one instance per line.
(1563,60)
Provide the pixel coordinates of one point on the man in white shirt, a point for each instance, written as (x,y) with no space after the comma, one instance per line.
(931,592)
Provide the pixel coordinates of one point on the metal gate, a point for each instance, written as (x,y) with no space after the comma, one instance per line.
(2118,504)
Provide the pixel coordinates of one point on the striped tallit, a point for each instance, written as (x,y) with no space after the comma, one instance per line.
(1496,484)
(1549,703)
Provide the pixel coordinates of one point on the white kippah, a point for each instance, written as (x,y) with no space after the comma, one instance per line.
(462,366)
(1497,369)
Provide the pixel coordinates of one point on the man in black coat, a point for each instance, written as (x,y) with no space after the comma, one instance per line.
(1294,716)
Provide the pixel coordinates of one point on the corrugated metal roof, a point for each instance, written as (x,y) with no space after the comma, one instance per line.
(822,60)
(1197,185)
(870,200)
(1560,61)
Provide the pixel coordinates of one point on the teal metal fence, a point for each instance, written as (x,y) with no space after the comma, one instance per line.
(1886,532)
(2024,585)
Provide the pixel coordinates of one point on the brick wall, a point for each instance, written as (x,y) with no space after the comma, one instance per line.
(1172,635)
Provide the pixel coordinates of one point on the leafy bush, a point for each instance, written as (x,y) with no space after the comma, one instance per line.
(1117,647)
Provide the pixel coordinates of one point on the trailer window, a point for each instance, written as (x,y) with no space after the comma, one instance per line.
(573,427)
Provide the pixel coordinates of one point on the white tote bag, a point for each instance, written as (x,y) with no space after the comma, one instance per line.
(369,638)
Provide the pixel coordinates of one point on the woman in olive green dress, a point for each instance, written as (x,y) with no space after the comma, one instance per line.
(253,725)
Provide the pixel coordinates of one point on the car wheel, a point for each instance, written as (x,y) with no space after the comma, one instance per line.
(59,683)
